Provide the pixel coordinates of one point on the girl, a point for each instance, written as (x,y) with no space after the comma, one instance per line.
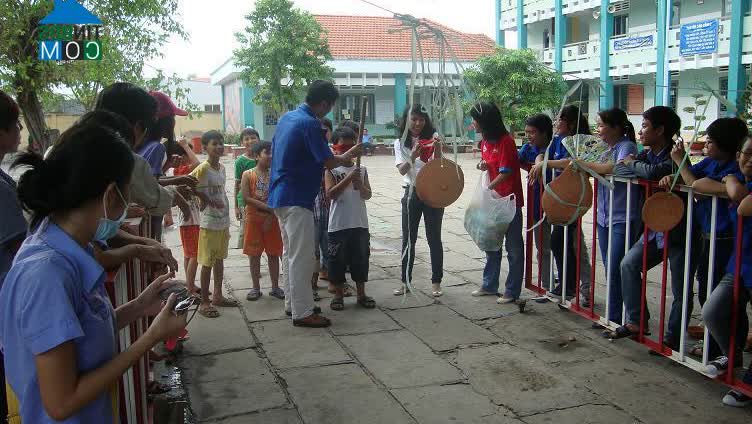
(615,130)
(570,122)
(499,159)
(717,311)
(58,328)
(419,148)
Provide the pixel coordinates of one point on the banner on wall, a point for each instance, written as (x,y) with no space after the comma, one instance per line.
(629,43)
(699,38)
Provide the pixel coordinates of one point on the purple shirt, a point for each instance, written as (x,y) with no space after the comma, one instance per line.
(154,152)
(621,150)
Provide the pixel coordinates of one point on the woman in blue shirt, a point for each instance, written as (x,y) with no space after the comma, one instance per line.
(58,329)
(718,310)
(724,136)
(615,129)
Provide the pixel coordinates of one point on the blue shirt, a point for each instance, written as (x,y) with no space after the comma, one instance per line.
(12,223)
(299,150)
(703,214)
(53,294)
(746,268)
(527,154)
(366,139)
(154,152)
(654,161)
(621,150)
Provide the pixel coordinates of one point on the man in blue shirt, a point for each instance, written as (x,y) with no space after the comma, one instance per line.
(367,144)
(299,155)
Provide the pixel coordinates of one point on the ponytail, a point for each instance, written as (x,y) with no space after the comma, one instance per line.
(629,131)
(617,118)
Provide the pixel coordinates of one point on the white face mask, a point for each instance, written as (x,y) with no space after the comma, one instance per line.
(107,228)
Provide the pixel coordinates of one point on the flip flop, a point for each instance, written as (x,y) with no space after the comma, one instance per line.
(225,303)
(367,302)
(208,312)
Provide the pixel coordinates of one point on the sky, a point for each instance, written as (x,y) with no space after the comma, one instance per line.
(213,23)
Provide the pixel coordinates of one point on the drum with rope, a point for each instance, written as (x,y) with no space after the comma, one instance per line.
(439,183)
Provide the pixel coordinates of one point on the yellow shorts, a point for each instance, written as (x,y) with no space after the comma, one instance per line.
(212,246)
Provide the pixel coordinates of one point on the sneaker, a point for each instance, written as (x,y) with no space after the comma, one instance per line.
(505,300)
(253,295)
(481,292)
(717,366)
(736,399)
(277,292)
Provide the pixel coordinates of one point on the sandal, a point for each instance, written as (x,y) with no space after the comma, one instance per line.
(337,304)
(208,312)
(696,350)
(312,321)
(367,302)
(253,295)
(622,332)
(225,303)
(316,297)
(278,293)
(436,292)
(348,292)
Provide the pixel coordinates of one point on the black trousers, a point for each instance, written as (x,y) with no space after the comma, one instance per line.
(412,210)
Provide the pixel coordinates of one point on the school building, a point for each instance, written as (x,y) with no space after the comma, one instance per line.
(371,57)
(635,54)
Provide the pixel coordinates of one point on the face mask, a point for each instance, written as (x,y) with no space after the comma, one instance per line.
(107,228)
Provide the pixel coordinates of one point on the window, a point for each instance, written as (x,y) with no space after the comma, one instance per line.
(675,14)
(271,118)
(348,107)
(546,39)
(212,108)
(673,95)
(726,8)
(621,25)
(723,91)
(635,99)
(620,96)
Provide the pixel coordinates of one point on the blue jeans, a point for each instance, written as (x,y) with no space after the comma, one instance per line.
(619,234)
(515,255)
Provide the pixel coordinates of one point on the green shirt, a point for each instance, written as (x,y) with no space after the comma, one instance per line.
(242,163)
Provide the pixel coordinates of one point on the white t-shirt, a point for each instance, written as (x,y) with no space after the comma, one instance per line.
(402,155)
(195,217)
(349,209)
(211,182)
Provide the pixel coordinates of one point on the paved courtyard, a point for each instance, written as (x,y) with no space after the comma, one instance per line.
(456,359)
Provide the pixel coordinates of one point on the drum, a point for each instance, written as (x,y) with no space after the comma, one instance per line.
(439,183)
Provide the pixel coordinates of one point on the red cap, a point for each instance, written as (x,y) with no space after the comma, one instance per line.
(165,106)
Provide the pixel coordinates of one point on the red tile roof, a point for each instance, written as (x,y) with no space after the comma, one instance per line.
(369,37)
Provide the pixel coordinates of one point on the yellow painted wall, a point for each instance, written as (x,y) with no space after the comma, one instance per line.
(207,121)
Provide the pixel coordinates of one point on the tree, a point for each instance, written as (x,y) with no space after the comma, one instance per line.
(134,31)
(281,42)
(518,83)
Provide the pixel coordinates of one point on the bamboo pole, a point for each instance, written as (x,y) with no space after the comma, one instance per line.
(362,124)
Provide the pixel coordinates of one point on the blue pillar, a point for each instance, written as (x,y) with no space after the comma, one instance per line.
(736,72)
(560,35)
(400,93)
(222,107)
(662,74)
(606,83)
(521,27)
(497,24)
(248,107)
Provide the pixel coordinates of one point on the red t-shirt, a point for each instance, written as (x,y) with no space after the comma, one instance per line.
(502,157)
(182,170)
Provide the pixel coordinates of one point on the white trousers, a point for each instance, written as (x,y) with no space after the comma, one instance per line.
(298,260)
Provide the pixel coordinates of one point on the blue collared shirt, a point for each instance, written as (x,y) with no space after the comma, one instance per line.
(527,154)
(299,150)
(703,213)
(54,294)
(746,268)
(155,153)
(621,150)
(653,161)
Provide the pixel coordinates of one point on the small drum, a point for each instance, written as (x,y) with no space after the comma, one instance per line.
(569,186)
(439,183)
(662,211)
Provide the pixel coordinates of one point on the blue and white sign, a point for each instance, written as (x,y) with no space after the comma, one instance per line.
(629,43)
(699,38)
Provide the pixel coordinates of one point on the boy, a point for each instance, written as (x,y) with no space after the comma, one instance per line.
(249,137)
(321,218)
(348,188)
(262,232)
(214,235)
(189,223)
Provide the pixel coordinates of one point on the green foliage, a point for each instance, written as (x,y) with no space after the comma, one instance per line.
(697,110)
(134,31)
(518,83)
(281,42)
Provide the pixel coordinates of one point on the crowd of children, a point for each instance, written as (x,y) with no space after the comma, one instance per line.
(303,205)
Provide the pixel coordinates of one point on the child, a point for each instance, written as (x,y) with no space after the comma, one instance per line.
(214,235)
(615,129)
(262,227)
(249,137)
(321,218)
(348,188)
(718,309)
(724,138)
(189,223)
(499,158)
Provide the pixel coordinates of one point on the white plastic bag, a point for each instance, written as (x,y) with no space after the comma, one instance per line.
(488,215)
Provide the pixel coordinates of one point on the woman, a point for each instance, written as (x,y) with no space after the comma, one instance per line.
(499,158)
(58,328)
(615,129)
(570,122)
(419,147)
